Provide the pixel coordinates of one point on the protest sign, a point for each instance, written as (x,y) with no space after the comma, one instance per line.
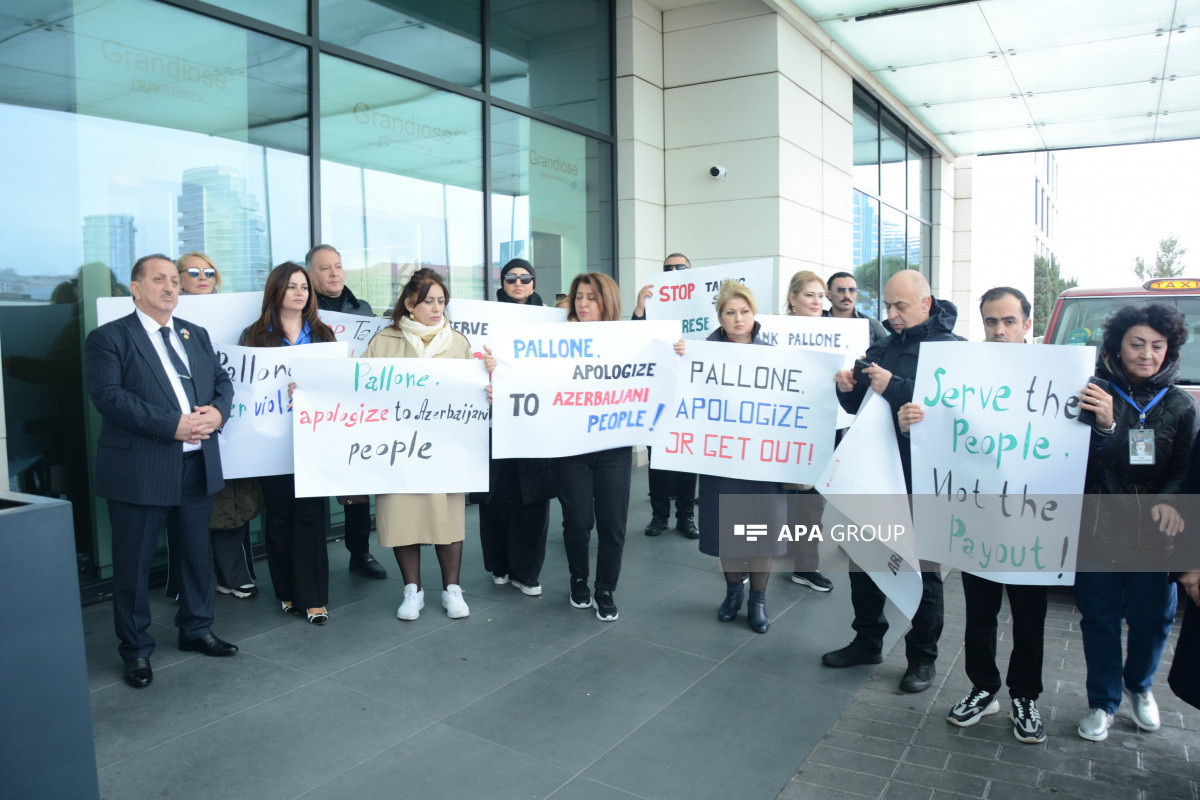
(847,337)
(353,329)
(390,426)
(864,483)
(474,318)
(562,390)
(998,463)
(257,437)
(224,316)
(750,412)
(689,295)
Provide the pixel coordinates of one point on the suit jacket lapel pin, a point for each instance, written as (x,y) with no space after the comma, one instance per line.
(184,333)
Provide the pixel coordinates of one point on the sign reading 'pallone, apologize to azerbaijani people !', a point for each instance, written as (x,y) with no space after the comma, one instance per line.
(580,387)
(757,413)
(390,426)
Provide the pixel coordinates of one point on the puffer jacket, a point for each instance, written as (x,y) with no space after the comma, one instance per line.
(239,502)
(1116,521)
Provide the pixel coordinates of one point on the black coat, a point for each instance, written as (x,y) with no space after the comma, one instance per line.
(897,353)
(346,303)
(535,299)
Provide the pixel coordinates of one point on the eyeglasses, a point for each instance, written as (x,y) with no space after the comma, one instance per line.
(846,290)
(525,279)
(670,267)
(194,272)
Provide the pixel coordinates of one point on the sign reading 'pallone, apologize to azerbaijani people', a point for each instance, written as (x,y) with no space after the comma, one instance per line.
(580,387)
(390,426)
(758,413)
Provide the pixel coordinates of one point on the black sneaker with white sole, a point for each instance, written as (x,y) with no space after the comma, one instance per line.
(1027,722)
(978,703)
(581,596)
(813,580)
(606,609)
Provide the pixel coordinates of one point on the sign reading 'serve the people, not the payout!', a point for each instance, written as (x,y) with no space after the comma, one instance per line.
(998,462)
(689,295)
(475,318)
(257,437)
(752,412)
(562,390)
(390,426)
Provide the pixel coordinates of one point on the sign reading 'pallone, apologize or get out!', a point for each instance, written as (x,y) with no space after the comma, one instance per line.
(390,426)
(580,387)
(257,437)
(998,462)
(752,412)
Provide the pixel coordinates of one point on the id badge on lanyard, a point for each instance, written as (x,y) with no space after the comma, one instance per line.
(1141,438)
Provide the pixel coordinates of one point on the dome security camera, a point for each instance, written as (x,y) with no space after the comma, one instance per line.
(717,172)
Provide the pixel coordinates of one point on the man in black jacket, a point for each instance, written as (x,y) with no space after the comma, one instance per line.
(914,316)
(324,265)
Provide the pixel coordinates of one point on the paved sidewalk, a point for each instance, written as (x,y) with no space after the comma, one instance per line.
(897,746)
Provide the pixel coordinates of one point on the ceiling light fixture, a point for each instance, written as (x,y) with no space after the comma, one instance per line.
(891,12)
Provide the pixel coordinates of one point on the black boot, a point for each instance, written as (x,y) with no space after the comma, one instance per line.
(756,612)
(687,526)
(733,601)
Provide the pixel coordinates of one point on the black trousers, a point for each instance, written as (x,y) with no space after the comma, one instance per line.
(594,490)
(1028,605)
(511,532)
(357,534)
(233,559)
(664,483)
(296,550)
(135,530)
(805,555)
(870,624)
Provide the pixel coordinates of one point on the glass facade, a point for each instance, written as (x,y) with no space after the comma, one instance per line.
(893,201)
(252,130)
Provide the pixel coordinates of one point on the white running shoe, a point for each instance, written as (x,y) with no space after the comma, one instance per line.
(414,601)
(452,601)
(1095,724)
(1144,710)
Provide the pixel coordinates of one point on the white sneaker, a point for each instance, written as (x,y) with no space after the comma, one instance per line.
(414,601)
(530,588)
(1144,710)
(500,580)
(452,601)
(1095,724)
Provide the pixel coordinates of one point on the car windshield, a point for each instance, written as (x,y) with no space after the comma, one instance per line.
(1082,322)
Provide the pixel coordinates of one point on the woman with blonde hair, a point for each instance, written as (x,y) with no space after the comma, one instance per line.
(736,308)
(197,274)
(405,522)
(806,295)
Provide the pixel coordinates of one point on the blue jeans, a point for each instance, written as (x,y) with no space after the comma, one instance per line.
(1146,600)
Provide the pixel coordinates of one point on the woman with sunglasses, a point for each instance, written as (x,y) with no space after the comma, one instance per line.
(517,283)
(241,499)
(514,515)
(295,526)
(197,274)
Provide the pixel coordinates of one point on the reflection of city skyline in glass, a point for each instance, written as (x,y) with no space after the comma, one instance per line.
(110,239)
(219,217)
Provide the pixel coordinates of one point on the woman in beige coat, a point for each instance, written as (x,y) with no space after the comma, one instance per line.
(404,522)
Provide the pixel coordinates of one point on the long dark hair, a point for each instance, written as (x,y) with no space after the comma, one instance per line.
(416,290)
(267,331)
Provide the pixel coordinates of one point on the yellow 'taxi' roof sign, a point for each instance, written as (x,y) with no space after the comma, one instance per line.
(1171,284)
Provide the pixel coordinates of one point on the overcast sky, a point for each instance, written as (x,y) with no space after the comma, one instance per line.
(1116,203)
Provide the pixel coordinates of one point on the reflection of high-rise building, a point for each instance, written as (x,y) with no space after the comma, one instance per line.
(221,219)
(109,239)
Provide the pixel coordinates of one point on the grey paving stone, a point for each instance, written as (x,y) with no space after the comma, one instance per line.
(940,779)
(869,745)
(843,780)
(897,716)
(898,790)
(1039,757)
(798,790)
(939,738)
(1087,787)
(927,757)
(1153,762)
(994,770)
(1161,782)
(881,730)
(850,760)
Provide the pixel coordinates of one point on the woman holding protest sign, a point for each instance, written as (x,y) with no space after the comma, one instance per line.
(295,526)
(736,308)
(241,500)
(1142,440)
(806,298)
(514,515)
(404,522)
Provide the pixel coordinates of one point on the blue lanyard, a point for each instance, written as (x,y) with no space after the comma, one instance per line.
(1141,411)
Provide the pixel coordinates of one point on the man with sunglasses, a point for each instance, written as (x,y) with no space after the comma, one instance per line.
(665,482)
(324,265)
(843,294)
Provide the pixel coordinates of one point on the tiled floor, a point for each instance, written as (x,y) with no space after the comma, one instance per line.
(526,698)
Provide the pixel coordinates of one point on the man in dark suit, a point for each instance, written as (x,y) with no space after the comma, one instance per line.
(163,397)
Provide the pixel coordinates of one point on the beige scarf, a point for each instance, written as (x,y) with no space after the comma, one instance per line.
(427,341)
